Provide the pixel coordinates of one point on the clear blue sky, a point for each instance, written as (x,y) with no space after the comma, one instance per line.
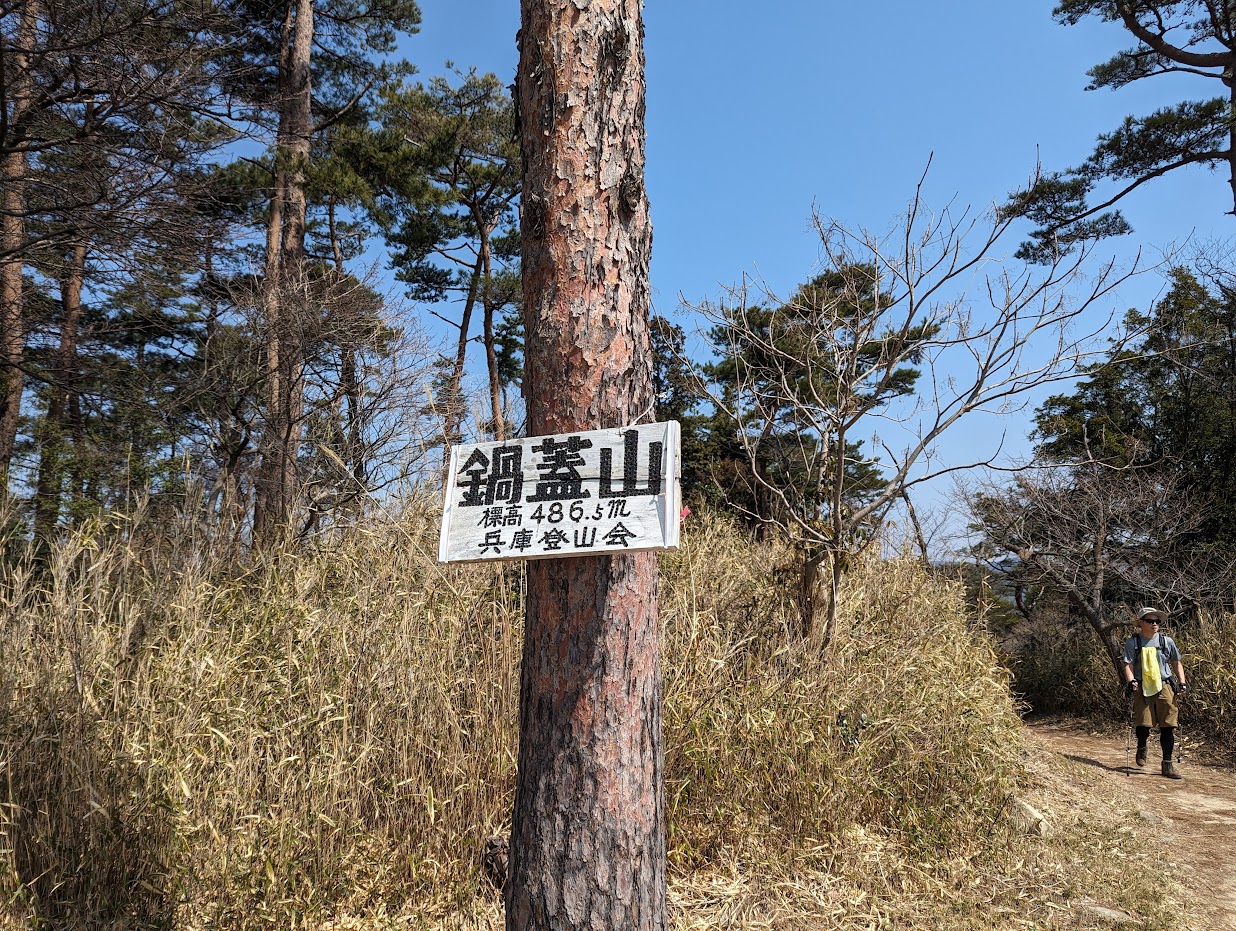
(757,111)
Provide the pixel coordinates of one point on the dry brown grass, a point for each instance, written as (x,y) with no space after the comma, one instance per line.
(327,739)
(1209,649)
(907,727)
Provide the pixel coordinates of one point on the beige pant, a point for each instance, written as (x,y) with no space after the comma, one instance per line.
(1157,710)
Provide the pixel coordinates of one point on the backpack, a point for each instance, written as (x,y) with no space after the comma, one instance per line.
(1165,658)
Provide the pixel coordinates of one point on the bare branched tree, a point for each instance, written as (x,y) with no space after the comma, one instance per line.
(365,373)
(906,333)
(1103,537)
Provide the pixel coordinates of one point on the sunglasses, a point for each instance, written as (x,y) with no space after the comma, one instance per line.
(1148,621)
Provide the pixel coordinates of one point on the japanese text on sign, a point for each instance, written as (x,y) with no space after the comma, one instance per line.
(601,491)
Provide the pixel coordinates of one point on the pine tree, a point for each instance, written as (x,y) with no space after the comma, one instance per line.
(89,157)
(792,383)
(300,66)
(1175,37)
(460,236)
(588,834)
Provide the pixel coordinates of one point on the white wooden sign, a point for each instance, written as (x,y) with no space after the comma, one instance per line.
(600,491)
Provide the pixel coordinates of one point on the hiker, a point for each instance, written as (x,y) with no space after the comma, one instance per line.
(1154,679)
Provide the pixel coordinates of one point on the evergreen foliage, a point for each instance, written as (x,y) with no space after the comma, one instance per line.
(1130,497)
(1165,404)
(779,381)
(449,207)
(1172,37)
(142,208)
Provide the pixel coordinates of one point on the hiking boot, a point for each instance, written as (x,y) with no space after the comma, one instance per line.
(1170,770)
(1140,759)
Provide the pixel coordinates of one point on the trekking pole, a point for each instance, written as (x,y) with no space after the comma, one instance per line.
(1128,731)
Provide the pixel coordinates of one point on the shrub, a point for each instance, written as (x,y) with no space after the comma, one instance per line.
(1064,670)
(190,742)
(907,727)
(1209,651)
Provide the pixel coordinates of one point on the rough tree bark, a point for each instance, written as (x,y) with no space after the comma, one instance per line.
(588,840)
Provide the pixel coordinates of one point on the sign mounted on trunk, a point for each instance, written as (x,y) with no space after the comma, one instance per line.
(577,494)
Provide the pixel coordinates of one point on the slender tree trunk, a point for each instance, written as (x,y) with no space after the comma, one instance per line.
(63,386)
(79,485)
(809,592)
(837,555)
(226,499)
(454,393)
(352,427)
(920,538)
(12,236)
(836,572)
(588,839)
(292,260)
(265,489)
(1108,634)
(61,392)
(285,282)
(497,415)
(353,437)
(1114,645)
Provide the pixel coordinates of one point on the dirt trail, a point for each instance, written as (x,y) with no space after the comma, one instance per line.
(1200,814)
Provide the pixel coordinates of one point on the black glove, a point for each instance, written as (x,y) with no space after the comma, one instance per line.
(1182,689)
(1131,687)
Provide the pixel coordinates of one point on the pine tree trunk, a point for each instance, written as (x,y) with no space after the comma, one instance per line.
(264,482)
(588,839)
(497,414)
(285,281)
(12,236)
(295,298)
(55,421)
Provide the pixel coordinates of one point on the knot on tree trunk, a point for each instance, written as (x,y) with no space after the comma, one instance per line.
(496,862)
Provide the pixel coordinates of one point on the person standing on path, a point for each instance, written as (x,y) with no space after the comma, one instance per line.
(1155,680)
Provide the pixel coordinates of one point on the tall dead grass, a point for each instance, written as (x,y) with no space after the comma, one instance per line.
(188,742)
(907,727)
(1208,649)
